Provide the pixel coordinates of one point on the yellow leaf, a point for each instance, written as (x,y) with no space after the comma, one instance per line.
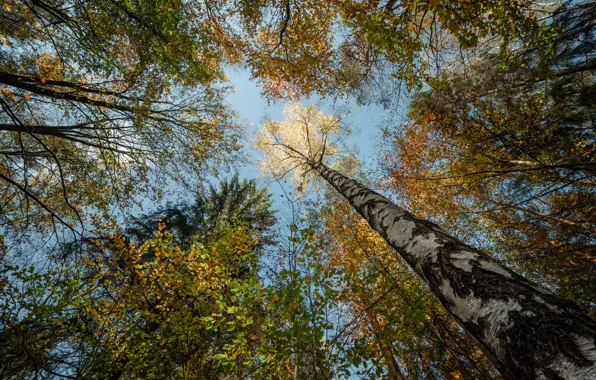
(27,96)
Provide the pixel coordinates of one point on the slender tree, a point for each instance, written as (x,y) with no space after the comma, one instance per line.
(524,329)
(400,318)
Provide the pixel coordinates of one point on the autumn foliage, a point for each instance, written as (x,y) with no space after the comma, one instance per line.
(119,258)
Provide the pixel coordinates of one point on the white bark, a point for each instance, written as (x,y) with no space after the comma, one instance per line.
(525,330)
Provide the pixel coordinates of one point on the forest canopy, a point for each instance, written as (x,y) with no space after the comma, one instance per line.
(148,230)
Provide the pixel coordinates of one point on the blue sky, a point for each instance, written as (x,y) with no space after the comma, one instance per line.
(253,108)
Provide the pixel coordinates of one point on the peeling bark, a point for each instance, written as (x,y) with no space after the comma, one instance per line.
(525,330)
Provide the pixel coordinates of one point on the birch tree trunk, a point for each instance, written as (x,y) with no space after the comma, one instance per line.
(525,330)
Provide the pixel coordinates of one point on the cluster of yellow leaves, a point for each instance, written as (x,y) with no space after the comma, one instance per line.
(147,299)
(423,169)
(293,55)
(303,138)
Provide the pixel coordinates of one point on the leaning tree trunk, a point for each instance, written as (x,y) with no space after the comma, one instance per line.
(525,330)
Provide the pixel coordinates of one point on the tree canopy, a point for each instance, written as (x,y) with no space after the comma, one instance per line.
(135,242)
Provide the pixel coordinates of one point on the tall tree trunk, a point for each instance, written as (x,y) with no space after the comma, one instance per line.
(525,330)
(392,366)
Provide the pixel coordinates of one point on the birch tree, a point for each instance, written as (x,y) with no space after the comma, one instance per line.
(398,317)
(525,330)
(511,153)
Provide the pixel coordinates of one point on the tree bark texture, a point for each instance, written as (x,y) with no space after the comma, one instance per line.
(525,330)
